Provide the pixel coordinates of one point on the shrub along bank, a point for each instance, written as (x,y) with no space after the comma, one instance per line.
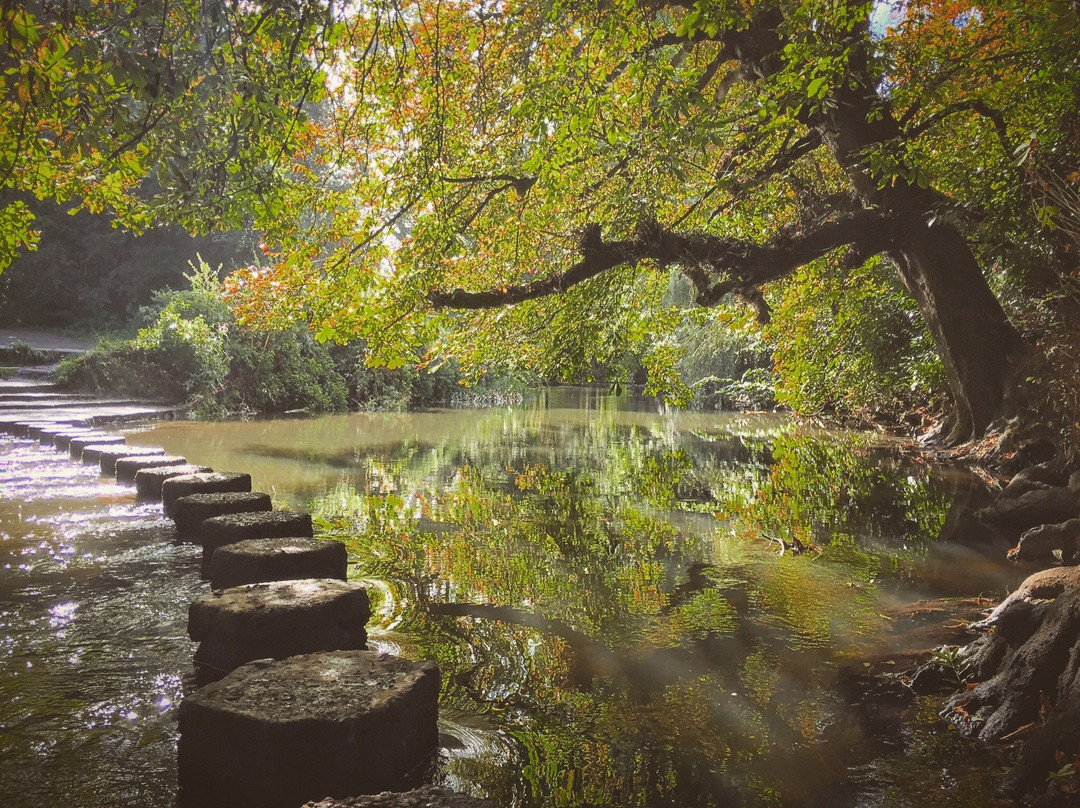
(192,349)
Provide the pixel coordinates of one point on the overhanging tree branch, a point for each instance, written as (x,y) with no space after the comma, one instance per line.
(716,266)
(976,105)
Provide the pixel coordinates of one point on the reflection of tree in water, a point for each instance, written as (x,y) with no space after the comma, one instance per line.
(637,650)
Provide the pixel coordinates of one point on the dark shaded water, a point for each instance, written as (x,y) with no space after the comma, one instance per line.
(592,575)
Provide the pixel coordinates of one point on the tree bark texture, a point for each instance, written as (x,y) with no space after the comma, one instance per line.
(978,346)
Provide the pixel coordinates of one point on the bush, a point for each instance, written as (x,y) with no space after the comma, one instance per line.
(193,351)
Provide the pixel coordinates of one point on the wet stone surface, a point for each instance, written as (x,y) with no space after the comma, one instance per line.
(62,439)
(107,459)
(214,482)
(277,734)
(76,445)
(278,559)
(92,454)
(128,467)
(189,512)
(276,620)
(219,531)
(148,482)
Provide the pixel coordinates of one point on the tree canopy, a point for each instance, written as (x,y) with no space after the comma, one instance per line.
(550,184)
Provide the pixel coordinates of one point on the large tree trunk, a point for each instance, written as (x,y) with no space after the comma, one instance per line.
(976,342)
(973,336)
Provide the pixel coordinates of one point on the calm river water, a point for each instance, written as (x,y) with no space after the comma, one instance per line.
(593,574)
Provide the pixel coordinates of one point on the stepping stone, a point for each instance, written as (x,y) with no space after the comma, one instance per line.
(22,428)
(217,482)
(221,530)
(276,620)
(62,439)
(47,436)
(277,734)
(189,512)
(128,467)
(33,429)
(427,796)
(148,482)
(76,445)
(259,560)
(107,458)
(92,452)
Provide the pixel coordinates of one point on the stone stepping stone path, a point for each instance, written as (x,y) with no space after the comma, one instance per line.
(219,531)
(190,511)
(276,620)
(127,467)
(292,708)
(211,482)
(148,481)
(277,734)
(282,559)
(77,445)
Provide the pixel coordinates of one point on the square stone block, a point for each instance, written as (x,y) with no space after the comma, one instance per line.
(221,530)
(107,457)
(128,467)
(333,724)
(76,445)
(148,482)
(189,512)
(276,620)
(281,559)
(214,482)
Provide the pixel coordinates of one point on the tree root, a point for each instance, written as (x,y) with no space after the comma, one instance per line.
(1029,674)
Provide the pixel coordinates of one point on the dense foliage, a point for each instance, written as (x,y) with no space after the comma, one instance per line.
(515,185)
(192,350)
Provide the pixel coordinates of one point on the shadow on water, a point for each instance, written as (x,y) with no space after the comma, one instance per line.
(592,574)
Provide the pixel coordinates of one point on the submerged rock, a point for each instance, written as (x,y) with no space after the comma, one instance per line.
(426,797)
(216,482)
(190,511)
(222,530)
(277,734)
(278,559)
(148,481)
(276,620)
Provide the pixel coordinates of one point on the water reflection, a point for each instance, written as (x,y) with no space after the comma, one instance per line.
(590,572)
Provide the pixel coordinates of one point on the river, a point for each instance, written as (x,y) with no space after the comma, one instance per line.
(599,579)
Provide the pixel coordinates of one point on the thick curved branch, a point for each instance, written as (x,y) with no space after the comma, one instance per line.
(715,266)
(976,105)
(598,258)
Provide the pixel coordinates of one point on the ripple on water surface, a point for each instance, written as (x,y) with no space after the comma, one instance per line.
(93,647)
